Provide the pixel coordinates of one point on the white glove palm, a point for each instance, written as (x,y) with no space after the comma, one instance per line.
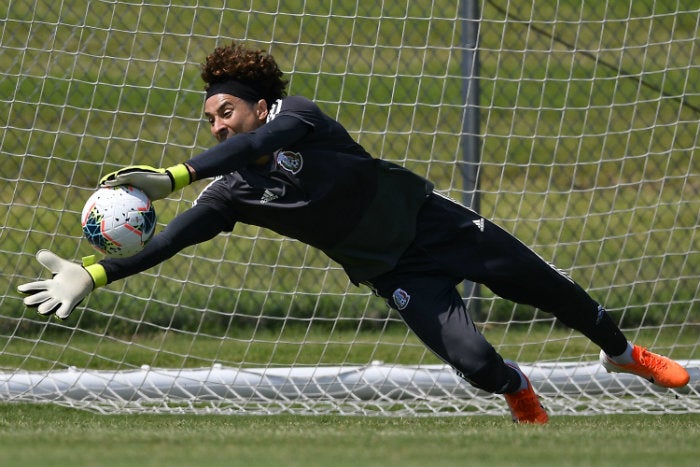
(70,284)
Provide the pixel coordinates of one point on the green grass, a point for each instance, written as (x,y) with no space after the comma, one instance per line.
(32,435)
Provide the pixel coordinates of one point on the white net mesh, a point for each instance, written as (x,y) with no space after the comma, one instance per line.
(587,150)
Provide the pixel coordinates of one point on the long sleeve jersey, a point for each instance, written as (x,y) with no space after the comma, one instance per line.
(319,186)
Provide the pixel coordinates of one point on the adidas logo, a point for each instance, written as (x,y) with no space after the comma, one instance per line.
(479,223)
(267,197)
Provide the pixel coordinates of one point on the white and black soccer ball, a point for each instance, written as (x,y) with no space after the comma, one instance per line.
(118,221)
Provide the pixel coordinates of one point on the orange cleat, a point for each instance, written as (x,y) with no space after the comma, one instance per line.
(525,406)
(658,369)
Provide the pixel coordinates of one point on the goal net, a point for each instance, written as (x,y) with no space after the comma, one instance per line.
(574,125)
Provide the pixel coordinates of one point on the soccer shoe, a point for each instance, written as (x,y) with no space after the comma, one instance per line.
(524,405)
(658,369)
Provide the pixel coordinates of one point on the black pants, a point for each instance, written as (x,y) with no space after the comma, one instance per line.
(454,243)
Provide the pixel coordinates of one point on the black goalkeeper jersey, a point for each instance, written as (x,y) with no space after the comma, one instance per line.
(319,187)
(326,191)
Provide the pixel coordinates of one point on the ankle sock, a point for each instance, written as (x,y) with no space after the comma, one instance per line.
(625,357)
(523,379)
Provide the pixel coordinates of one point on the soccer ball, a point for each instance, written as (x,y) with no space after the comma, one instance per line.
(118,221)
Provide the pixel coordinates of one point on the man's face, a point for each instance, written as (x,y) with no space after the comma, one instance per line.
(229,115)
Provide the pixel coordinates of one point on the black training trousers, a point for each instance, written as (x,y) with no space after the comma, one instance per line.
(453,244)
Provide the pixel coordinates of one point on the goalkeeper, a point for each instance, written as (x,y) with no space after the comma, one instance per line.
(282,164)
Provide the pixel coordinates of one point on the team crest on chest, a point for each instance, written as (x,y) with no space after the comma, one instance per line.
(290,161)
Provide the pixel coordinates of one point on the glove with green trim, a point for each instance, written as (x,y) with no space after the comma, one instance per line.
(156,183)
(70,284)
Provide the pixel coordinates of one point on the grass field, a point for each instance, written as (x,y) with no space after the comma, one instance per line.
(32,435)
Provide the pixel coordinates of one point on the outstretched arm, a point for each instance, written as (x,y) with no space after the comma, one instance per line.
(196,225)
(71,283)
(226,157)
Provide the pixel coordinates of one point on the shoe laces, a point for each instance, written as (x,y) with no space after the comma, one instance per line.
(651,361)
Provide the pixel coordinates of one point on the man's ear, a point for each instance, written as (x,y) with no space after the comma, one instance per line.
(261,109)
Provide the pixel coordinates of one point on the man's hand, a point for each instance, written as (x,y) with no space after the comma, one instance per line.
(156,183)
(70,284)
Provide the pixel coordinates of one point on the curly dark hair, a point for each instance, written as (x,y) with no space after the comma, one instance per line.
(255,68)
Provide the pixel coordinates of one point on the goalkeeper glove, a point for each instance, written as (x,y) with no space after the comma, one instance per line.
(156,183)
(70,284)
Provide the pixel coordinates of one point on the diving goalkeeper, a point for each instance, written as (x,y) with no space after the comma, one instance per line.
(282,164)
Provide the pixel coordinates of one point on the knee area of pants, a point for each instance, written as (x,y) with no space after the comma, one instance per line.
(494,376)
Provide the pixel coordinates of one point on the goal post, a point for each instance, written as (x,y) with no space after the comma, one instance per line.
(585,148)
